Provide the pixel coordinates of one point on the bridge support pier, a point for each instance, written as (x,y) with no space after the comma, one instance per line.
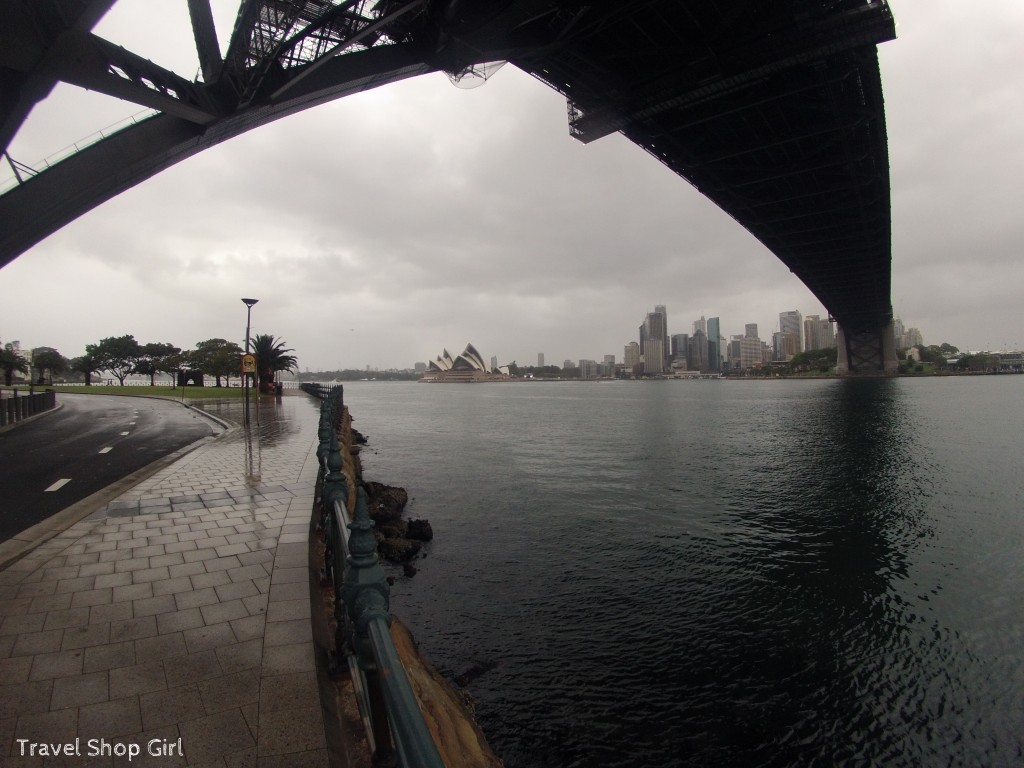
(867,352)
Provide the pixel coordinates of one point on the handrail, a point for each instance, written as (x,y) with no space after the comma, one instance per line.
(387,702)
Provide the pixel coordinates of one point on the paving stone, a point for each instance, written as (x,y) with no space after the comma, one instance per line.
(230,691)
(33,643)
(177,621)
(141,678)
(132,629)
(79,690)
(47,666)
(207,738)
(41,727)
(23,698)
(85,637)
(289,730)
(208,638)
(151,606)
(104,657)
(109,719)
(160,647)
(246,654)
(112,612)
(192,668)
(172,706)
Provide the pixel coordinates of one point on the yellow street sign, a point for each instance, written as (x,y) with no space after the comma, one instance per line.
(248,364)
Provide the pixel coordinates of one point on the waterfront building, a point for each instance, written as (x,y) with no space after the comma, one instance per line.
(655,329)
(420,368)
(914,337)
(540,359)
(588,369)
(631,356)
(786,345)
(714,346)
(567,365)
(792,322)
(654,356)
(818,333)
(680,345)
(467,367)
(898,332)
(697,354)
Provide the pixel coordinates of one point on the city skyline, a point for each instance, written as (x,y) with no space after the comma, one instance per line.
(378,228)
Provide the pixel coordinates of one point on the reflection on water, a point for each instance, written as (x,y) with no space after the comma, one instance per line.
(762,573)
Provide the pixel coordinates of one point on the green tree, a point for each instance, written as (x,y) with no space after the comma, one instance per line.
(821,360)
(158,357)
(271,357)
(85,365)
(12,361)
(118,355)
(218,357)
(47,360)
(932,354)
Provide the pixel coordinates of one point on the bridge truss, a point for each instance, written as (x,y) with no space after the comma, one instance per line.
(773,110)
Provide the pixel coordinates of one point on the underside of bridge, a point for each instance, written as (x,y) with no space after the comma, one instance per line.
(772,109)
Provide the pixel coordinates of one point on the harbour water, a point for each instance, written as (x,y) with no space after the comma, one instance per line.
(771,573)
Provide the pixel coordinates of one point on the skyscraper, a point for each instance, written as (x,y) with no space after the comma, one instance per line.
(792,322)
(654,341)
(818,333)
(750,330)
(714,346)
(540,359)
(697,355)
(631,357)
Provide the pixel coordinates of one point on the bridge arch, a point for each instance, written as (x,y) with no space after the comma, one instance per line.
(774,113)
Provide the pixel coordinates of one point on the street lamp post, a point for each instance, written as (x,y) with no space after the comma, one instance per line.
(248,323)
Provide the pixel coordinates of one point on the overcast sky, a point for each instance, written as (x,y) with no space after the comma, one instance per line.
(382,228)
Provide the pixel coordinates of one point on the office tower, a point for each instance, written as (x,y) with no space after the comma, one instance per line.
(697,354)
(588,369)
(631,356)
(786,345)
(914,338)
(818,333)
(792,322)
(654,357)
(680,345)
(540,359)
(714,346)
(700,325)
(654,341)
(566,365)
(750,330)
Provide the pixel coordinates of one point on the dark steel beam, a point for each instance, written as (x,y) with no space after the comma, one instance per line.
(46,202)
(205,34)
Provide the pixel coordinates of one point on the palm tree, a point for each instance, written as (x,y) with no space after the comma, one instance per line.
(11,362)
(271,357)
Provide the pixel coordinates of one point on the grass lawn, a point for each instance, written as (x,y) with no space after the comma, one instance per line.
(192,393)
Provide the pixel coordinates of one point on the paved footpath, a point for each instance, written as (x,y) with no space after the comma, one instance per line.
(178,614)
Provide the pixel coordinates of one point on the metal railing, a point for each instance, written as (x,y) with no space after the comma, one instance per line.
(396,730)
(18,407)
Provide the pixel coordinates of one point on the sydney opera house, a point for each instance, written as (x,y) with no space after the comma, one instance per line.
(468,367)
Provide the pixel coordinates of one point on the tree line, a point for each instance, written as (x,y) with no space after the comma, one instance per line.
(122,356)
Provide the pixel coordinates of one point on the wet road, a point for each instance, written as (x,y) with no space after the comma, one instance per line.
(91,442)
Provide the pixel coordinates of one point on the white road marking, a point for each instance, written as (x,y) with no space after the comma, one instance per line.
(108,449)
(125,433)
(58,485)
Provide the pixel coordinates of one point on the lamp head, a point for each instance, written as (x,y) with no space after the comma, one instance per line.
(249,302)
